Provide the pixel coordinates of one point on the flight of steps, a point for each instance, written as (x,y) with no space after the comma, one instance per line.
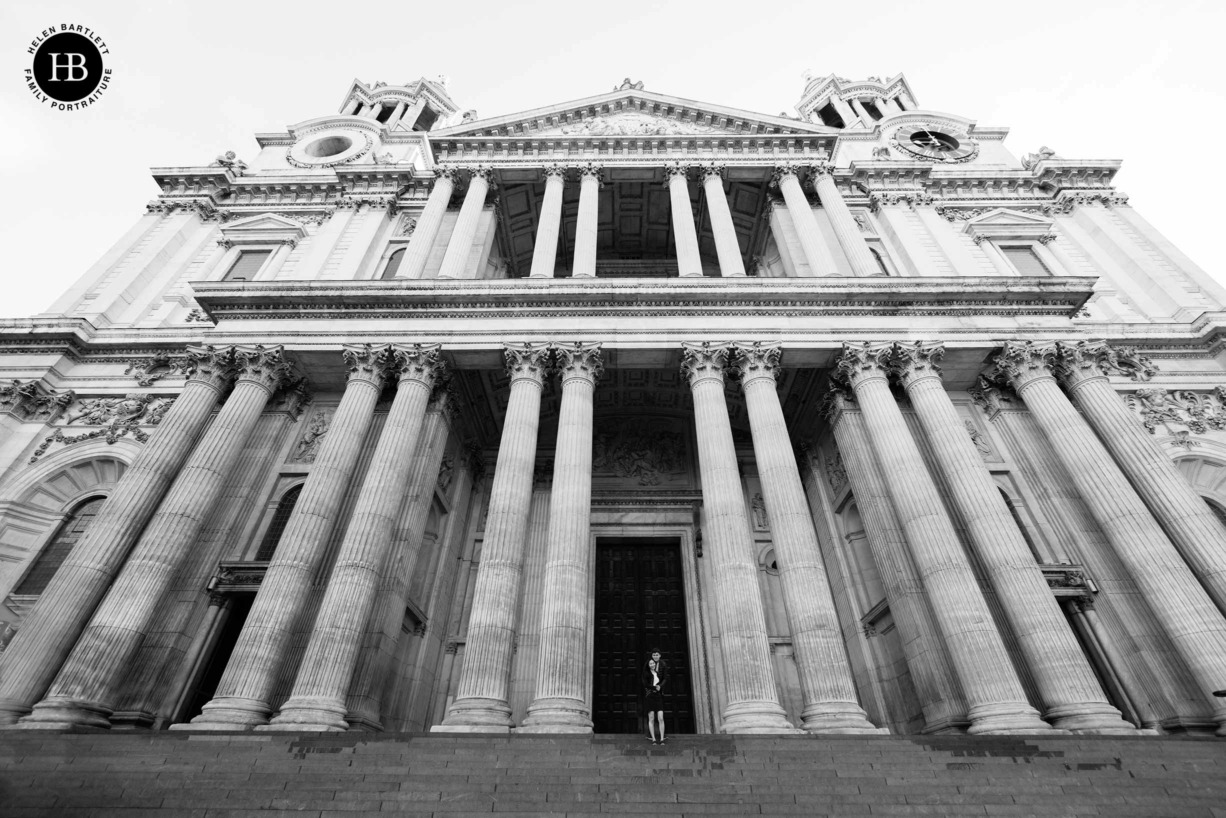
(345,775)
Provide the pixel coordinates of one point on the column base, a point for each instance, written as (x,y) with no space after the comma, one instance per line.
(230,713)
(302,714)
(1008,719)
(748,718)
(475,715)
(11,711)
(65,714)
(837,719)
(1092,718)
(557,716)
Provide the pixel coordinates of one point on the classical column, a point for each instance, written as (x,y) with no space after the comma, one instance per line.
(1185,516)
(802,217)
(318,698)
(586,224)
(826,682)
(1071,694)
(752,700)
(242,696)
(481,697)
(428,224)
(927,657)
(49,631)
(560,705)
(83,690)
(727,247)
(993,692)
(545,251)
(459,248)
(845,228)
(860,110)
(689,262)
(1187,614)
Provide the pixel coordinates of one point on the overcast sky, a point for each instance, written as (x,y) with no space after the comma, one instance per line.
(1124,80)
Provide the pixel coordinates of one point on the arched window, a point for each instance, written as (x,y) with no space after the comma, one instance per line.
(393,264)
(1217,510)
(53,556)
(885,271)
(277,527)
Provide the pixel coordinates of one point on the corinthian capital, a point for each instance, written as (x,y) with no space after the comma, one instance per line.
(209,365)
(530,361)
(1023,362)
(863,361)
(704,361)
(836,401)
(713,171)
(675,169)
(582,361)
(1082,360)
(757,360)
(819,169)
(781,171)
(554,171)
(917,360)
(266,366)
(366,363)
(417,362)
(591,171)
(450,173)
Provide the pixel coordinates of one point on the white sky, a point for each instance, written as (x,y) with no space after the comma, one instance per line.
(1122,80)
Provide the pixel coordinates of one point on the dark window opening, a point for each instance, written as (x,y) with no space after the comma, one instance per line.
(425,120)
(885,271)
(247,265)
(54,555)
(393,264)
(872,108)
(276,528)
(385,113)
(1025,260)
(830,116)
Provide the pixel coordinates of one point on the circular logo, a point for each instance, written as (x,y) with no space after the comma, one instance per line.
(67,71)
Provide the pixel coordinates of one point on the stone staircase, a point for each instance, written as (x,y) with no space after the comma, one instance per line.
(344,775)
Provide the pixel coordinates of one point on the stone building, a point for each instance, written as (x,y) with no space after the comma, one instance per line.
(421,420)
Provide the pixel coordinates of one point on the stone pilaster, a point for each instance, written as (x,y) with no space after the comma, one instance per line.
(560,704)
(318,698)
(481,703)
(845,228)
(549,223)
(993,692)
(586,223)
(1192,622)
(83,691)
(927,656)
(428,224)
(1185,516)
(689,261)
(802,218)
(727,247)
(459,248)
(242,696)
(826,682)
(752,700)
(51,628)
(1071,694)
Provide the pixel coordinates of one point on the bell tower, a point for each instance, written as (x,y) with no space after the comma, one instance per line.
(421,105)
(848,104)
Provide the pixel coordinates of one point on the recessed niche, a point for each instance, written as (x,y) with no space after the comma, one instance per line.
(328,146)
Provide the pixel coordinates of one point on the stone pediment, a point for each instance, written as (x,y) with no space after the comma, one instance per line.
(1008,224)
(266,228)
(633,123)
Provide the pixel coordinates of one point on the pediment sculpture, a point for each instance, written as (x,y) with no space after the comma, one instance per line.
(631,123)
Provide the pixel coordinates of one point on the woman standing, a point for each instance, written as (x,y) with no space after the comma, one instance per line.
(655,676)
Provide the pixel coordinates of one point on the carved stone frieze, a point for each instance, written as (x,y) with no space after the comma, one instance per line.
(149,371)
(1180,413)
(307,446)
(647,451)
(33,402)
(101,411)
(116,418)
(836,472)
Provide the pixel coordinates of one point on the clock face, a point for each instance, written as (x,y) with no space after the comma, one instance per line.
(935,143)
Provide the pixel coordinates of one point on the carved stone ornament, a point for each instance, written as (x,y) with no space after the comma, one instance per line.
(100,411)
(197,316)
(418,362)
(881,152)
(761,522)
(209,364)
(149,371)
(1030,160)
(1092,357)
(579,361)
(990,396)
(308,445)
(33,402)
(230,160)
(1020,362)
(115,417)
(531,361)
(704,360)
(836,472)
(915,360)
(837,400)
(634,123)
(981,442)
(446,470)
(1180,413)
(861,360)
(266,366)
(406,228)
(648,452)
(757,360)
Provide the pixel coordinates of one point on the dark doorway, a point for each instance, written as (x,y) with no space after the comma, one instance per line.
(240,606)
(640,605)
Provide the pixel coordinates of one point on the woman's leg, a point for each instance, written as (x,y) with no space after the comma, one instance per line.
(660,716)
(651,724)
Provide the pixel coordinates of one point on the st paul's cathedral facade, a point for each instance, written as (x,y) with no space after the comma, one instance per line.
(427,421)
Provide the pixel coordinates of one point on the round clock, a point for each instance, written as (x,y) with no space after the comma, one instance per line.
(933,142)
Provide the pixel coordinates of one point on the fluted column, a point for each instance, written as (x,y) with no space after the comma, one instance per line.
(995,695)
(727,247)
(752,701)
(83,691)
(560,705)
(587,222)
(481,696)
(689,261)
(826,682)
(802,217)
(428,224)
(459,248)
(1184,514)
(845,228)
(1071,694)
(549,223)
(1192,622)
(927,657)
(242,696)
(51,628)
(318,698)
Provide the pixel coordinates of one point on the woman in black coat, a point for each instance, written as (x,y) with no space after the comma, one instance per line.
(655,676)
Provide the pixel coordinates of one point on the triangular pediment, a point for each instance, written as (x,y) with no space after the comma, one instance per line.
(263,228)
(1002,223)
(629,113)
(1001,216)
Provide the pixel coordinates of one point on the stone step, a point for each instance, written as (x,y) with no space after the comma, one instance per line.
(156,775)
